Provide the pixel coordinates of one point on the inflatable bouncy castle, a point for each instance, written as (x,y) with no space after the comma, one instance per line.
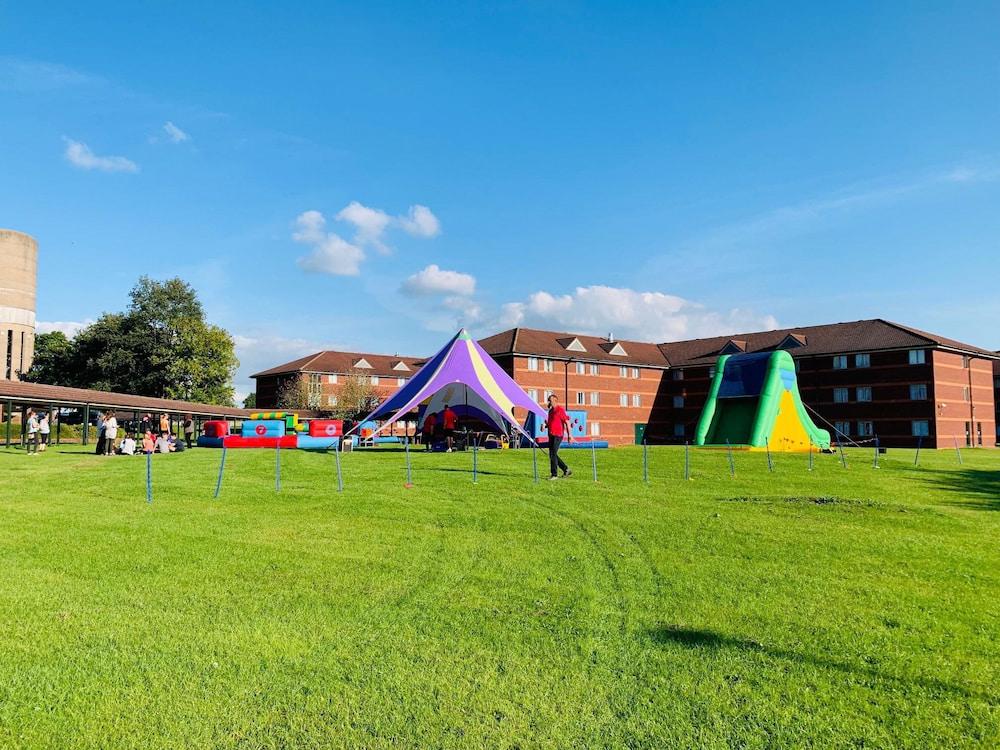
(275,429)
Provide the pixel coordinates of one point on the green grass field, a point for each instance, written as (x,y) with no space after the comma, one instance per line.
(837,608)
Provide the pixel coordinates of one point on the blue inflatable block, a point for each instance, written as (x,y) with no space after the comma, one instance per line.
(210,442)
(274,428)
(585,444)
(309,443)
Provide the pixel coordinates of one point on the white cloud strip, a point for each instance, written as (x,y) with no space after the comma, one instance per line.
(331,253)
(79,155)
(434,280)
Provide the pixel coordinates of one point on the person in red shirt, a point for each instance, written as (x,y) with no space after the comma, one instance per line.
(428,435)
(558,427)
(450,421)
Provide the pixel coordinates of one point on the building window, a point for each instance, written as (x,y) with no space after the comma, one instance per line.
(866,429)
(595,429)
(547,394)
(315,388)
(580,398)
(595,398)
(840,362)
(331,400)
(862,360)
(966,395)
(920,428)
(375,380)
(864,393)
(400,381)
(965,361)
(842,428)
(623,399)
(533,394)
(595,369)
(533,363)
(840,396)
(10,353)
(678,430)
(635,373)
(678,374)
(623,372)
(548,365)
(636,399)
(918,392)
(918,357)
(711,371)
(332,378)
(580,368)
(678,402)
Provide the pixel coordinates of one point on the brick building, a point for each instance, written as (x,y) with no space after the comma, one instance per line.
(865,378)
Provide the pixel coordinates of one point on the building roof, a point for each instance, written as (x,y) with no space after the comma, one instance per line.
(347,362)
(833,338)
(559,345)
(21,392)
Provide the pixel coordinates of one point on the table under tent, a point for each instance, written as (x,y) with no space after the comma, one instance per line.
(467,379)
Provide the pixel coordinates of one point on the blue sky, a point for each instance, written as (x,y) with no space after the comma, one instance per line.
(371,175)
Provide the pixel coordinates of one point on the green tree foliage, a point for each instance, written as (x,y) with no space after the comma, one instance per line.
(160,346)
(51,359)
(357,397)
(292,393)
(250,402)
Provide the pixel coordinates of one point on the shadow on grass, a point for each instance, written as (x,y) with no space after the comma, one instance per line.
(710,640)
(974,488)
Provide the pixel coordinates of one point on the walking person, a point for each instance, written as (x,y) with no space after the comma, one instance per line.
(189,430)
(450,421)
(558,427)
(44,430)
(32,433)
(146,424)
(110,433)
(100,434)
(430,423)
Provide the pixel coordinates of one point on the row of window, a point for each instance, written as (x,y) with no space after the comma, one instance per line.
(594,398)
(918,392)
(582,368)
(918,428)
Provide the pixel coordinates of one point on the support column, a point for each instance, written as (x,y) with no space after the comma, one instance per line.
(52,420)
(9,414)
(86,424)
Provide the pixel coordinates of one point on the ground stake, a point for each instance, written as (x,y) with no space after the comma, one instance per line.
(222,465)
(409,475)
(149,477)
(340,478)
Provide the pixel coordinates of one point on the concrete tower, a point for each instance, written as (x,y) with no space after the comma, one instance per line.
(18,284)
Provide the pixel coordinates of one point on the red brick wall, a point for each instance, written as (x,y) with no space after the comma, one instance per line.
(963,400)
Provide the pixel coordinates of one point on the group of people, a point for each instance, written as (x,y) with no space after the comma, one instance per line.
(38,430)
(435,428)
(146,439)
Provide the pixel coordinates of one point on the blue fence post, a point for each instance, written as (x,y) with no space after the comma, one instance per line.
(916,457)
(840,449)
(222,465)
(958,452)
(645,461)
(810,454)
(277,468)
(593,454)
(875,459)
(534,458)
(687,461)
(409,473)
(149,477)
(729,455)
(475,467)
(767,449)
(340,478)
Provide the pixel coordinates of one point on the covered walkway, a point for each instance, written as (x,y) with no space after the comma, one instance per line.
(19,397)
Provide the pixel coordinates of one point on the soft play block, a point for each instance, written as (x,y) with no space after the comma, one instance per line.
(210,442)
(310,443)
(238,441)
(216,428)
(326,428)
(262,428)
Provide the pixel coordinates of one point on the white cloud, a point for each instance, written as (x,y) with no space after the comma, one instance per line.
(79,155)
(174,133)
(19,74)
(420,222)
(434,280)
(627,313)
(370,224)
(262,350)
(331,253)
(69,327)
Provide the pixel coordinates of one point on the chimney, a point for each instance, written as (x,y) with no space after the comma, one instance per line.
(611,338)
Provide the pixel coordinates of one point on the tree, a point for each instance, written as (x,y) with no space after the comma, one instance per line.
(52,356)
(160,346)
(357,397)
(292,393)
(250,402)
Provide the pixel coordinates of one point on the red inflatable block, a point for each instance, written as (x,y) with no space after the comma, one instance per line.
(215,428)
(326,428)
(238,441)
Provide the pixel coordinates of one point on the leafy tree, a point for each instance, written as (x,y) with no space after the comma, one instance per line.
(292,393)
(250,402)
(52,356)
(160,346)
(357,397)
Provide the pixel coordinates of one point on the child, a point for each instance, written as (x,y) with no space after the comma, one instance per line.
(148,446)
(43,430)
(128,446)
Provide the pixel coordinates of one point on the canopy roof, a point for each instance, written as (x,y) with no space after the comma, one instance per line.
(461,361)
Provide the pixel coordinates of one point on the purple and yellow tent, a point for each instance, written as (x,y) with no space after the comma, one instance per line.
(462,361)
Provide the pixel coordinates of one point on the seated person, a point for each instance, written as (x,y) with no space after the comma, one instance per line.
(163,443)
(127,448)
(176,444)
(148,444)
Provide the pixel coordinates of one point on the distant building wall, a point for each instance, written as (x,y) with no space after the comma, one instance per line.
(18,285)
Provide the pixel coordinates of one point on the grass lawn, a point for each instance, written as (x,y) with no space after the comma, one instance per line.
(837,608)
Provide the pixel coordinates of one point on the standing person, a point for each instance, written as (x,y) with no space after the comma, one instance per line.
(164,423)
(450,421)
(558,427)
(146,424)
(110,433)
(100,434)
(32,433)
(188,430)
(44,430)
(430,422)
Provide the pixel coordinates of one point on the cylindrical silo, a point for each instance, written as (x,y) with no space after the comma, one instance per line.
(18,284)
